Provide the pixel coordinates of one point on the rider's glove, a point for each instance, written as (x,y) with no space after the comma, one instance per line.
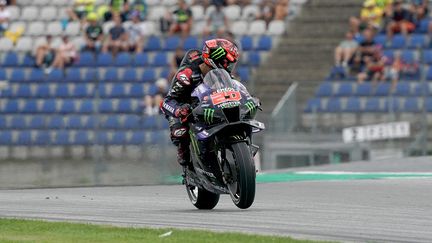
(183,112)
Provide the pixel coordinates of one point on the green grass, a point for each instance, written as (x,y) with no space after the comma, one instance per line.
(13,230)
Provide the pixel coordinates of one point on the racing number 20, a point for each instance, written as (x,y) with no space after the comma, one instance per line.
(221,97)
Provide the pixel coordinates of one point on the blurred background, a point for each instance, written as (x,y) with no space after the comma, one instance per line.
(81,80)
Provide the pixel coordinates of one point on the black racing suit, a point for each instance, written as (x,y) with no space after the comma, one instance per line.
(187,78)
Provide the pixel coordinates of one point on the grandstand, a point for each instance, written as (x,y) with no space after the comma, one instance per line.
(97,100)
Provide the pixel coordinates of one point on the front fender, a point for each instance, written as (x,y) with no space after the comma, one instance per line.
(206,133)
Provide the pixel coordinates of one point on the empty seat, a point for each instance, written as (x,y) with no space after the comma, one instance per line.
(36,75)
(62,138)
(36,29)
(190,42)
(131,122)
(276,27)
(29,13)
(402,89)
(42,138)
(67,106)
(197,12)
(82,91)
(104,59)
(345,89)
(62,91)
(72,29)
(24,138)
(113,122)
(91,75)
(422,89)
(392,104)
(257,27)
(111,75)
(18,122)
(418,41)
(106,106)
(123,59)
(6,44)
(149,75)
(250,12)
(54,28)
(24,44)
(18,75)
(398,42)
(28,60)
(232,12)
(56,75)
(239,27)
(153,44)
(408,56)
(37,122)
(353,105)
(42,91)
(141,60)
(56,122)
(49,106)
(23,91)
(333,105)
(118,91)
(10,59)
(30,106)
(364,89)
(6,137)
(82,138)
(246,43)
(137,138)
(313,105)
(12,106)
(129,75)
(48,13)
(264,43)
(171,43)
(87,106)
(373,105)
(119,138)
(411,104)
(243,72)
(86,59)
(136,91)
(254,58)
(126,106)
(325,89)
(160,59)
(74,122)
(383,89)
(102,138)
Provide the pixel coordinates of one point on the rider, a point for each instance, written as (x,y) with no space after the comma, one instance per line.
(216,53)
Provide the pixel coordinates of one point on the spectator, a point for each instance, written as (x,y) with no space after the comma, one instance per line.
(4,17)
(281,10)
(267,11)
(151,102)
(45,53)
(370,17)
(117,37)
(118,7)
(182,19)
(401,20)
(80,9)
(374,68)
(93,34)
(345,50)
(140,7)
(217,22)
(135,33)
(367,46)
(66,54)
(176,61)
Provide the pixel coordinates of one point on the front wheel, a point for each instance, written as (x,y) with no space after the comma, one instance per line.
(201,198)
(242,190)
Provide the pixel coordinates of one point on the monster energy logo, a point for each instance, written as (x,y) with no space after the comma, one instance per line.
(194,143)
(218,53)
(251,106)
(208,115)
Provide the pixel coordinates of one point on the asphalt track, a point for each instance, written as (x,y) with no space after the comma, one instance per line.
(387,210)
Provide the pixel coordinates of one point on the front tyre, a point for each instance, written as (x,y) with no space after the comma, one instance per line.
(243,190)
(201,198)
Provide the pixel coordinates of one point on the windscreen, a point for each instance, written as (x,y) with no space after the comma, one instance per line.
(218,79)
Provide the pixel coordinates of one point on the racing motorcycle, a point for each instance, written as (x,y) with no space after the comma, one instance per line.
(221,127)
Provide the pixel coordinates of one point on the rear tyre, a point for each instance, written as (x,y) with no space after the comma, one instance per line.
(201,198)
(243,191)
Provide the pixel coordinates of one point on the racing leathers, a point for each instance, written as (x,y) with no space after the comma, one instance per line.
(176,105)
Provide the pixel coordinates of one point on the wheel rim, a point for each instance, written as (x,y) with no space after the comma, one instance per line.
(233,187)
(193,193)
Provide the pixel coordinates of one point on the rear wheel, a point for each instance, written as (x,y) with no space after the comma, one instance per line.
(201,198)
(242,190)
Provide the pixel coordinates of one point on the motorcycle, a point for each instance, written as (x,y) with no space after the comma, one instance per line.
(221,127)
